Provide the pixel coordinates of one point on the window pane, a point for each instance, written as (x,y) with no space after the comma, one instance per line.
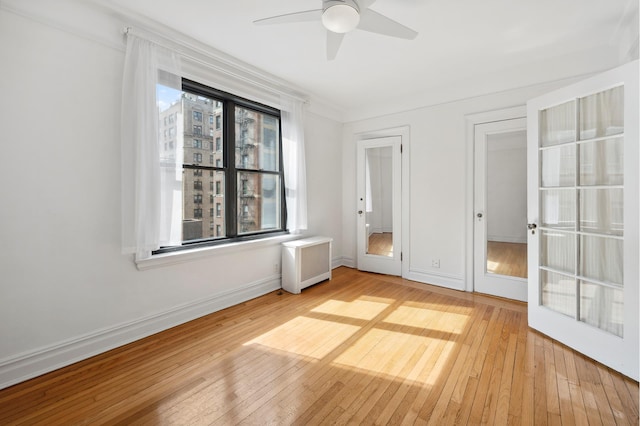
(558,208)
(601,211)
(558,292)
(258,202)
(601,258)
(559,166)
(558,124)
(601,162)
(199,134)
(558,251)
(199,203)
(602,307)
(257,140)
(602,114)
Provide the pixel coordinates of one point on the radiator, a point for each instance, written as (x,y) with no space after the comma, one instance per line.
(305,262)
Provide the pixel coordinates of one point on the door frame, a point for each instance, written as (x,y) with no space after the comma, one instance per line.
(472,120)
(404,132)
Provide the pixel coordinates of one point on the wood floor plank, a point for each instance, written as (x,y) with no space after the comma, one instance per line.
(360,349)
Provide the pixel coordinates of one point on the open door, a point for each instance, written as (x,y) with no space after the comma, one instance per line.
(379,205)
(583,162)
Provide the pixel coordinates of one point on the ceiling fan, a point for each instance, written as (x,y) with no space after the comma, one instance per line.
(342,16)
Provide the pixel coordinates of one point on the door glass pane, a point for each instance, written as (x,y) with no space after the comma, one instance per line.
(601,211)
(558,124)
(602,114)
(559,166)
(601,258)
(558,292)
(379,201)
(558,251)
(558,208)
(506,203)
(601,162)
(602,307)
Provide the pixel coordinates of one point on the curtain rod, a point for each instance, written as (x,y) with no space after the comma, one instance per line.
(192,52)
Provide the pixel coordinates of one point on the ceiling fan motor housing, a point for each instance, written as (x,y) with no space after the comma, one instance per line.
(340,16)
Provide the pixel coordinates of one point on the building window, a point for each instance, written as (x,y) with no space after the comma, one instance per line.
(247,173)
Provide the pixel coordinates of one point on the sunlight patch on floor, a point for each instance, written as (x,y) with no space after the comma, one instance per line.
(295,337)
(448,322)
(359,309)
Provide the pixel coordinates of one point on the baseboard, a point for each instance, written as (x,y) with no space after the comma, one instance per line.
(455,282)
(35,363)
(348,262)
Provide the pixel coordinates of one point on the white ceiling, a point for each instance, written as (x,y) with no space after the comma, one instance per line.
(466,46)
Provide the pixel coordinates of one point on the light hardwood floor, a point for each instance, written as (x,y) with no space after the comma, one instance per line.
(381,243)
(507,258)
(360,349)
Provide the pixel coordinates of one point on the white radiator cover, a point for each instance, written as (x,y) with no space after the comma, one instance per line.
(305,262)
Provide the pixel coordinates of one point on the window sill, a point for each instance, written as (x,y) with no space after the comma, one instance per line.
(174,258)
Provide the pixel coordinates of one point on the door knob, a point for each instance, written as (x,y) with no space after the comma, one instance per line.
(479,215)
(532,227)
(359,211)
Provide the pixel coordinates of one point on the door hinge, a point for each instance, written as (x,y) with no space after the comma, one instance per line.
(400,256)
(400,148)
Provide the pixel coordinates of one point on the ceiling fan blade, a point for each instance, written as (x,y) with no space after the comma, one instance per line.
(334,40)
(376,23)
(307,15)
(365,4)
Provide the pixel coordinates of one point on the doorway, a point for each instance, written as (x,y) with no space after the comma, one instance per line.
(500,208)
(379,192)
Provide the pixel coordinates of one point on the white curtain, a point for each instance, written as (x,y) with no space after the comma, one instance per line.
(147,219)
(295,174)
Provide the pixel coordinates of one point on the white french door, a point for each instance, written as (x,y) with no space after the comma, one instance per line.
(583,190)
(379,191)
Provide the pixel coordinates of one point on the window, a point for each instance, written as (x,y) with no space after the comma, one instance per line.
(245,182)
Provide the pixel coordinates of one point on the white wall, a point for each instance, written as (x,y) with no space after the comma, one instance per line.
(66,292)
(438,181)
(507,187)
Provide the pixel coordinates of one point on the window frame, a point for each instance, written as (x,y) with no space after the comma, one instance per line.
(231,171)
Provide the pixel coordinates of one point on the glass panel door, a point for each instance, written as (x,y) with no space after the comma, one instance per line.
(583,182)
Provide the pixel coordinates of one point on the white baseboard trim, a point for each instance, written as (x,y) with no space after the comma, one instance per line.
(336,262)
(35,363)
(455,282)
(348,262)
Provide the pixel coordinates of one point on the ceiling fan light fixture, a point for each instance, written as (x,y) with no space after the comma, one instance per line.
(341,16)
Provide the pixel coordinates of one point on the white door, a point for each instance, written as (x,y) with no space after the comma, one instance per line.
(500,208)
(583,210)
(379,205)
